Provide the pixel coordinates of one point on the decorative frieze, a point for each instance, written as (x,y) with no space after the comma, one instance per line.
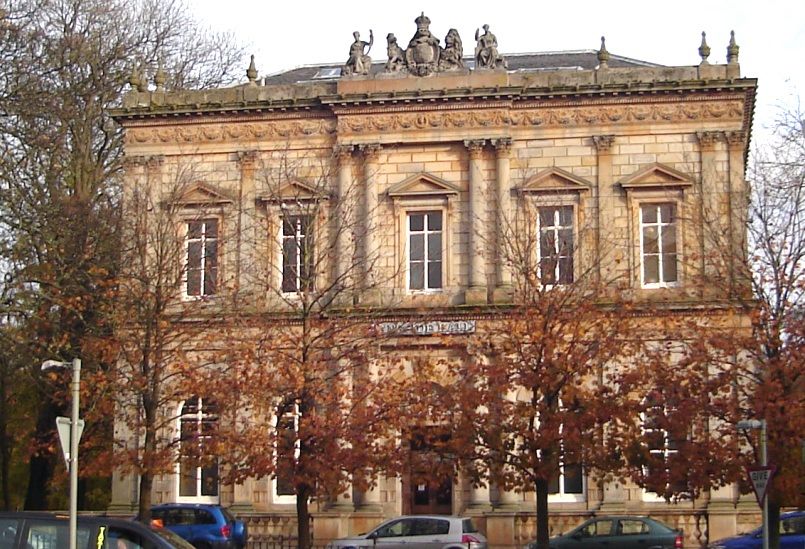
(221,133)
(543,117)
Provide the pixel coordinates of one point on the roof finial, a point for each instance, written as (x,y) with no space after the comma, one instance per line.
(603,55)
(704,49)
(142,80)
(159,77)
(134,78)
(251,72)
(732,50)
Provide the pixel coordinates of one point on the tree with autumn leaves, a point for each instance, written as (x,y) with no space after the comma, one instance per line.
(64,65)
(312,403)
(764,358)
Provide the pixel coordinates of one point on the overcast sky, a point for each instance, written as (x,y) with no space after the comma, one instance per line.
(284,34)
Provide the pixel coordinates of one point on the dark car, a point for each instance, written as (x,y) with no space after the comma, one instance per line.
(620,532)
(792,535)
(206,526)
(29,529)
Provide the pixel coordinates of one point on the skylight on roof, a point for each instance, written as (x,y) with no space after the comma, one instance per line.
(328,72)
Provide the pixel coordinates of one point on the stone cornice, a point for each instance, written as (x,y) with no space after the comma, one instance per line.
(357,120)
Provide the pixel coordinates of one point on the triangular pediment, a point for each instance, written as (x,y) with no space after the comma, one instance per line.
(656,175)
(555,180)
(202,194)
(293,190)
(422,184)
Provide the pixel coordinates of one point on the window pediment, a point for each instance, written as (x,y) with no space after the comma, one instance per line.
(656,176)
(202,194)
(556,181)
(422,185)
(292,191)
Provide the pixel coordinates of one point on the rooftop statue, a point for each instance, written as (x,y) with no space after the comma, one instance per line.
(396,61)
(452,55)
(359,61)
(486,51)
(422,55)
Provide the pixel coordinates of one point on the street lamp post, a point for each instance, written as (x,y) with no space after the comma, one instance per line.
(75,388)
(745,425)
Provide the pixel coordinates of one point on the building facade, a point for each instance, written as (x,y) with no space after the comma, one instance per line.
(441,152)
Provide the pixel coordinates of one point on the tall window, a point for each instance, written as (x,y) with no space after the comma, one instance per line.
(555,248)
(297,253)
(658,244)
(201,257)
(425,250)
(198,470)
(287,452)
(663,448)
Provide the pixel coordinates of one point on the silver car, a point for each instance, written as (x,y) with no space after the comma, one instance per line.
(418,532)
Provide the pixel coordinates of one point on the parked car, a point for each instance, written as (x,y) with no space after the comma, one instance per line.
(620,533)
(792,535)
(206,526)
(40,530)
(419,531)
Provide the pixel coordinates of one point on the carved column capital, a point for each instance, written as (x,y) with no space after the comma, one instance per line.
(247,157)
(370,151)
(736,139)
(343,152)
(603,142)
(475,147)
(503,146)
(155,161)
(131,162)
(708,140)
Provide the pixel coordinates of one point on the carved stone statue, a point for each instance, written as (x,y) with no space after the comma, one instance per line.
(452,55)
(486,51)
(422,55)
(396,61)
(359,61)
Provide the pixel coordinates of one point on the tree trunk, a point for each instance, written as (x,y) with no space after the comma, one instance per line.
(144,501)
(303,517)
(543,532)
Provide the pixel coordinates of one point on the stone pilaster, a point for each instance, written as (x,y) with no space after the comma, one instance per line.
(503,292)
(737,210)
(476,293)
(479,499)
(245,252)
(371,237)
(242,496)
(713,241)
(606,256)
(343,274)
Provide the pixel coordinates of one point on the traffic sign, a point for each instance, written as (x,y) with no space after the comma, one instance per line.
(760,478)
(63,427)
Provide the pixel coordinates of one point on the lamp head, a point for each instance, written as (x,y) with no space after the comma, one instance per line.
(49,364)
(746,424)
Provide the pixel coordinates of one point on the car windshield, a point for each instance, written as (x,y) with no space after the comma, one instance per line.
(662,526)
(227,515)
(172,538)
(467,527)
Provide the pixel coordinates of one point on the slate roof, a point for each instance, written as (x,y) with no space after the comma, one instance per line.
(518,62)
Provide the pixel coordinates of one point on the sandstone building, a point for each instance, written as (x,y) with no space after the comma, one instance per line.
(442,148)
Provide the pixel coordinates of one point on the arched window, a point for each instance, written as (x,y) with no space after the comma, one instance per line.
(198,469)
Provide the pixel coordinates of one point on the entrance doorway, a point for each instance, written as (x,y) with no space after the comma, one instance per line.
(428,485)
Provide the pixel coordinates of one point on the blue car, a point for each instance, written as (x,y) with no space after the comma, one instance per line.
(206,526)
(792,535)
